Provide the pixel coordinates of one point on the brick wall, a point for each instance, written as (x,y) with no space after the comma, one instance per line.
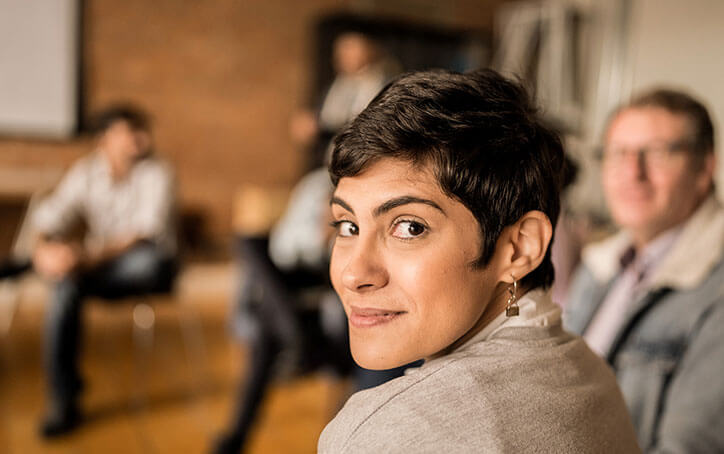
(221,79)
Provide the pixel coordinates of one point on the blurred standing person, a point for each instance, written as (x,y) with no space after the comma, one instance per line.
(125,197)
(361,68)
(650,299)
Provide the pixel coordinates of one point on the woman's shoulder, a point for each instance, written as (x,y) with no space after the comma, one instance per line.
(468,397)
(379,409)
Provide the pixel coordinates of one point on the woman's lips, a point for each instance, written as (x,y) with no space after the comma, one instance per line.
(366,317)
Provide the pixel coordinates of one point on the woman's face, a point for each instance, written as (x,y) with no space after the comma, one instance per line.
(402,265)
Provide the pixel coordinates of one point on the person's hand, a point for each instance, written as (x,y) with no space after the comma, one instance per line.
(94,256)
(55,260)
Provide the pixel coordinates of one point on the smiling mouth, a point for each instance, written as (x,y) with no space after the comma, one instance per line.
(366,317)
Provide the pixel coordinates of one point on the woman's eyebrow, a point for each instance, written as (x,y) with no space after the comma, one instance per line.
(405,200)
(337,201)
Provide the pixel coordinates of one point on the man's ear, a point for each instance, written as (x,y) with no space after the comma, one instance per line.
(524,245)
(706,173)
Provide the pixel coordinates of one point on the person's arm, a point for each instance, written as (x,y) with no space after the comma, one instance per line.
(90,259)
(55,259)
(694,405)
(54,255)
(57,213)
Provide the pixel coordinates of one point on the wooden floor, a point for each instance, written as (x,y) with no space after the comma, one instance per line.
(169,396)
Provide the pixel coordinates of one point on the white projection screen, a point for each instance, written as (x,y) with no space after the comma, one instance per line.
(39,68)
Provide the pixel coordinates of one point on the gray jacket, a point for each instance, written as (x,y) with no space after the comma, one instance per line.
(668,354)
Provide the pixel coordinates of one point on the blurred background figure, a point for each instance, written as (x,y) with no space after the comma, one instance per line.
(279,306)
(362,67)
(287,311)
(125,198)
(650,299)
(566,249)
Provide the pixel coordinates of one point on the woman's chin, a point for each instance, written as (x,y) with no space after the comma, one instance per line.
(372,360)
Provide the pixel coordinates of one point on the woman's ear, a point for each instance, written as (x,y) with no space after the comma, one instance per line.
(525,245)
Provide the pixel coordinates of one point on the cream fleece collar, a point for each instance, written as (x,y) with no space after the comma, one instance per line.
(697,250)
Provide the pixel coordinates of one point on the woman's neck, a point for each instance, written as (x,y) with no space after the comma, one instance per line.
(493,309)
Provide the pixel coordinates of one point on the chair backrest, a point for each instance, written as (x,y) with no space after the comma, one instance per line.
(23,243)
(257,208)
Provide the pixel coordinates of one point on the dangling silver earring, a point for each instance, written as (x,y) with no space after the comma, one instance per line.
(511,308)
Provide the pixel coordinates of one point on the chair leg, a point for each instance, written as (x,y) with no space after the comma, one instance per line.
(144,321)
(195,352)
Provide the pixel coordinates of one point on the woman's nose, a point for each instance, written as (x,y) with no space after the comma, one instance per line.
(364,270)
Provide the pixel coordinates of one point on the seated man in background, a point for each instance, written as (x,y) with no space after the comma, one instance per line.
(650,300)
(125,198)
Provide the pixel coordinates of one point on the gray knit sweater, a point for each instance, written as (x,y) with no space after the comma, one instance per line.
(524,389)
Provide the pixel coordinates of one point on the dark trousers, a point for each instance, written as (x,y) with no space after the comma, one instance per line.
(268,308)
(142,270)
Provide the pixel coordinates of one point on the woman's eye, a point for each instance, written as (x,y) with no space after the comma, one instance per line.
(345,228)
(408,229)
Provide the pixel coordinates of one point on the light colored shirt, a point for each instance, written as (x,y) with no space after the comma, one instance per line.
(298,239)
(607,322)
(535,309)
(141,205)
(349,94)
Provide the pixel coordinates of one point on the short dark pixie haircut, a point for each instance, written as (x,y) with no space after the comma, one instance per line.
(136,118)
(680,103)
(481,135)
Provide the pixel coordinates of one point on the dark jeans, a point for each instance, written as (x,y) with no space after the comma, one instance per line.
(268,308)
(142,270)
(10,267)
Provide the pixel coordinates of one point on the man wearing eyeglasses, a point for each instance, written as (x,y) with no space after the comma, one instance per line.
(651,298)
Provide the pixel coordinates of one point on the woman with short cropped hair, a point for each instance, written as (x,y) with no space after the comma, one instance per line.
(446,194)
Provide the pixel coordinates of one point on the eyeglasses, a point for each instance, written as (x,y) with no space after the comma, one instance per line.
(654,155)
